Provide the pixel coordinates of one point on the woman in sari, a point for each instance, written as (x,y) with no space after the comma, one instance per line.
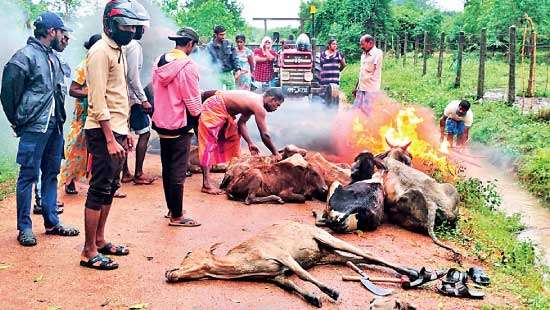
(75,165)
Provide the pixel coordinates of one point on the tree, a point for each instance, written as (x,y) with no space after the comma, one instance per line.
(204,15)
(347,20)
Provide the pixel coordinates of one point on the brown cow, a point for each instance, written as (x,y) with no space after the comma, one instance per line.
(275,251)
(290,180)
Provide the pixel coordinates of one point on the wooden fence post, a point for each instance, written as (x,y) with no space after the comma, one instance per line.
(481,72)
(459,59)
(398,50)
(440,61)
(532,64)
(512,66)
(425,53)
(405,49)
(416,43)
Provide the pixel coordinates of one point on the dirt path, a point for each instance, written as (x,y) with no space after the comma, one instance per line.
(48,274)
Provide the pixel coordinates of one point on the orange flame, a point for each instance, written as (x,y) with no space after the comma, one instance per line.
(356,132)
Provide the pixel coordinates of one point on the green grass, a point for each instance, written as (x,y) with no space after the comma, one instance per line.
(495,123)
(8,175)
(492,237)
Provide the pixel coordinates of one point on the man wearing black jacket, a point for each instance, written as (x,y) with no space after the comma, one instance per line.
(33,101)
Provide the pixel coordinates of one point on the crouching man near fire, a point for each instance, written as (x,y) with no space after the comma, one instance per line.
(456,121)
(219,134)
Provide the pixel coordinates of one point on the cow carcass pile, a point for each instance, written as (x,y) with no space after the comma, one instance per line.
(299,176)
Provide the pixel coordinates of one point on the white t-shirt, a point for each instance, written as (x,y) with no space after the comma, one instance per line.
(452,108)
(370,75)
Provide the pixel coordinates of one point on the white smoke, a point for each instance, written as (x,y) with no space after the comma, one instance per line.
(13,21)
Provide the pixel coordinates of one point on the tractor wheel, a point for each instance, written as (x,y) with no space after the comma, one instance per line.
(332,95)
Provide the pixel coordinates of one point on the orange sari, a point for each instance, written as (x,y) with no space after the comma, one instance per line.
(219,139)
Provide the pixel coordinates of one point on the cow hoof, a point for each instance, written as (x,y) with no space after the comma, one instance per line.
(314,300)
(331,293)
(170,275)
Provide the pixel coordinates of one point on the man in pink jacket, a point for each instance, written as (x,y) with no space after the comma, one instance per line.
(177,107)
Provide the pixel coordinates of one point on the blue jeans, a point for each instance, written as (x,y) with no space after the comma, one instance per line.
(38,152)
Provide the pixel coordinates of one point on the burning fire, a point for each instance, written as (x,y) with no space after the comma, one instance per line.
(399,126)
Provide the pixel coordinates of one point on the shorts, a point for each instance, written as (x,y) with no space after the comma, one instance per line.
(140,122)
(105,169)
(454,127)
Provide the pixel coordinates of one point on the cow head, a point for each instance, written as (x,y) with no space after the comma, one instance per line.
(397,152)
(315,183)
(196,265)
(363,167)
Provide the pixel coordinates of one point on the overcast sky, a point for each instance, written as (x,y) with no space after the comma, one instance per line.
(290,8)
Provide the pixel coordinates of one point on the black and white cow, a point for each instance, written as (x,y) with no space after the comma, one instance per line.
(359,205)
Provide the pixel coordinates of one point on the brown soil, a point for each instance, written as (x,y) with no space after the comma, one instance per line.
(49,274)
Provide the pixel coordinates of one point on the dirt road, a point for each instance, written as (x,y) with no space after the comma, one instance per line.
(49,274)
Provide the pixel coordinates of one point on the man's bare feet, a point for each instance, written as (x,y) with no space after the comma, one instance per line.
(212,190)
(144,180)
(127,178)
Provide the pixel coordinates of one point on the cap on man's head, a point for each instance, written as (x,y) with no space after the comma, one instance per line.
(185,33)
(49,20)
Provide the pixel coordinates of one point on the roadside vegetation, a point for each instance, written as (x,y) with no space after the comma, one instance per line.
(492,237)
(8,174)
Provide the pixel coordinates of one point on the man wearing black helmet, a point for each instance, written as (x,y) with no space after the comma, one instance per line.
(33,100)
(107,125)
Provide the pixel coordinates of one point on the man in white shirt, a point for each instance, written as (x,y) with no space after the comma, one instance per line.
(370,74)
(456,121)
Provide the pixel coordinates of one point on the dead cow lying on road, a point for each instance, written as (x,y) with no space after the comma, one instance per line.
(416,201)
(275,252)
(290,180)
(411,199)
(359,205)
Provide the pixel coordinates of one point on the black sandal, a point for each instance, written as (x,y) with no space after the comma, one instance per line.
(63,230)
(119,250)
(479,276)
(26,238)
(105,263)
(70,189)
(185,222)
(459,289)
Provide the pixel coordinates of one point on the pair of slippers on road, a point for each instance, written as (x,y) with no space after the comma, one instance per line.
(454,284)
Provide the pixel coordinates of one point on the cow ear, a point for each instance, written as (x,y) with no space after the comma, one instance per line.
(214,247)
(380,164)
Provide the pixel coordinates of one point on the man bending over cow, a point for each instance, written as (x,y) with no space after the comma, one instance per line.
(219,134)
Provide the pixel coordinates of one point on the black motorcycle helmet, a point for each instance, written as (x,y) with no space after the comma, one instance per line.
(124,12)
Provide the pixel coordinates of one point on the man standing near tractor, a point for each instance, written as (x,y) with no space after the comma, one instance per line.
(370,74)
(224,54)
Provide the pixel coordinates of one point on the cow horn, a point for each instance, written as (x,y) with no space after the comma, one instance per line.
(388,142)
(406,146)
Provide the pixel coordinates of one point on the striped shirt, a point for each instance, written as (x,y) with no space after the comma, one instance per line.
(330,68)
